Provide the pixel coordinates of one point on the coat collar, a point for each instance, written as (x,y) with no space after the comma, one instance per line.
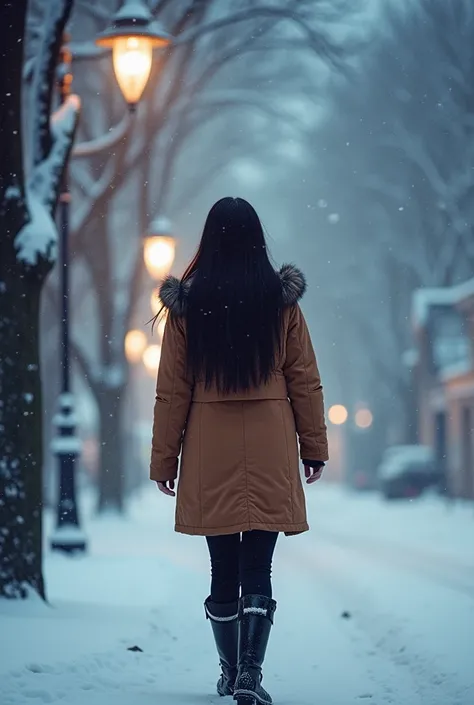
(173,291)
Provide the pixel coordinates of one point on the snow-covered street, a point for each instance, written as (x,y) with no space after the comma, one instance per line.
(376,604)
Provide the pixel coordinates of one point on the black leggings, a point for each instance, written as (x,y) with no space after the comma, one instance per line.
(241,561)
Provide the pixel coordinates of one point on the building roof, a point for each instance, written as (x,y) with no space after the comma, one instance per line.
(424,299)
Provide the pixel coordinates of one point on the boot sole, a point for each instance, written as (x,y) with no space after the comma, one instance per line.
(248,697)
(245,700)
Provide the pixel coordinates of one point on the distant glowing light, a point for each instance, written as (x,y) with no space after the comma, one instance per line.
(135,344)
(338,414)
(151,358)
(364,418)
(159,254)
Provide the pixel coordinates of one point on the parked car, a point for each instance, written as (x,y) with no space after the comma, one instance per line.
(407,471)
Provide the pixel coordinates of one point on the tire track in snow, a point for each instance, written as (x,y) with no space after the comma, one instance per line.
(358,583)
(443,569)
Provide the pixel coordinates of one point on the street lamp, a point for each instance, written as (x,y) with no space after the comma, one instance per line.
(132,36)
(159,248)
(68,536)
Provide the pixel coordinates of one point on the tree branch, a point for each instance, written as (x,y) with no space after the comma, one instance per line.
(241,99)
(316,40)
(108,141)
(45,76)
(94,200)
(46,175)
(83,51)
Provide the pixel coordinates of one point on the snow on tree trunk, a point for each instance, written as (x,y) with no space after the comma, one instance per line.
(27,248)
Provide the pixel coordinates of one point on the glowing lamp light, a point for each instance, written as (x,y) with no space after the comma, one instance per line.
(364,418)
(151,358)
(158,254)
(135,344)
(338,414)
(132,37)
(132,57)
(159,248)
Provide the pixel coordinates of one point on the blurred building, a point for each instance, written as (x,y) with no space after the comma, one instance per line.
(444,379)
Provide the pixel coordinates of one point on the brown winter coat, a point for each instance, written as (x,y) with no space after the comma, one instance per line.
(239,458)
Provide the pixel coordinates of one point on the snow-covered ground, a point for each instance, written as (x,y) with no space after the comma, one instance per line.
(376,604)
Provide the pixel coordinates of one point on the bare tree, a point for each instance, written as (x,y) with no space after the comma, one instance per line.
(396,155)
(28,241)
(226,66)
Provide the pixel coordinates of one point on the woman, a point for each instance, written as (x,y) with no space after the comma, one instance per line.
(238,382)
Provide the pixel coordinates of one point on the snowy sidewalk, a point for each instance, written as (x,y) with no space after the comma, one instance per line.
(406,641)
(126,592)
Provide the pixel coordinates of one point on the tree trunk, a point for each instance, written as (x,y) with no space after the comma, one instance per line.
(23,269)
(20,386)
(20,439)
(111,456)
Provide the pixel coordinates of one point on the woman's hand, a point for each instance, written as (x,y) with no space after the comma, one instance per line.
(313,474)
(167,488)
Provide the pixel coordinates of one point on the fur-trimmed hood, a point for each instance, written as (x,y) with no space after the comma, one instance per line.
(173,292)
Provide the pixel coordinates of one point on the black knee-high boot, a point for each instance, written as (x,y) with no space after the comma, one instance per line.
(225,627)
(255,622)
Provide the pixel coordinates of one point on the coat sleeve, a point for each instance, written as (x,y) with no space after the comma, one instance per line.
(304,389)
(173,398)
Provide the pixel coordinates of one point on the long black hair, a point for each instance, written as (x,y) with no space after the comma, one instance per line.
(234,302)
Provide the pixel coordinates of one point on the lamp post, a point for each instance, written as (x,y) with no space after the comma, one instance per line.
(132,36)
(68,536)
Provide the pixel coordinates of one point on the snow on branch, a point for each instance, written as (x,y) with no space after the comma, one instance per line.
(51,140)
(46,176)
(87,50)
(38,238)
